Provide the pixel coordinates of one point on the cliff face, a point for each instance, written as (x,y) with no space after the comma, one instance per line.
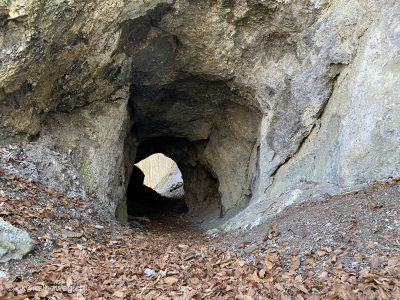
(258,101)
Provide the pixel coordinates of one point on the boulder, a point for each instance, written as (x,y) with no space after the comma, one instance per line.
(14,243)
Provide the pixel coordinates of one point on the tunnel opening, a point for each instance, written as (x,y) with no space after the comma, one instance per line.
(211,134)
(196,197)
(155,188)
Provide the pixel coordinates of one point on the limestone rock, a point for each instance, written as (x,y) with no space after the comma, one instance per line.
(357,137)
(171,185)
(14,243)
(3,274)
(257,101)
(70,234)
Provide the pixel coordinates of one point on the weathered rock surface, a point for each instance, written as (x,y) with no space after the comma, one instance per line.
(155,168)
(171,185)
(260,102)
(14,243)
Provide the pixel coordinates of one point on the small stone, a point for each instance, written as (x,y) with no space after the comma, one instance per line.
(70,234)
(189,255)
(98,226)
(136,224)
(250,248)
(145,219)
(183,246)
(149,272)
(80,247)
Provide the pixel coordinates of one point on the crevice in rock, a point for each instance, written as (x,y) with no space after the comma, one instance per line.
(316,125)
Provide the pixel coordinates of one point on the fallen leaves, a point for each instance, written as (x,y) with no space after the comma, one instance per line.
(113,266)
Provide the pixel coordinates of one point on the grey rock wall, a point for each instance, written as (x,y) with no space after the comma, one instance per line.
(357,137)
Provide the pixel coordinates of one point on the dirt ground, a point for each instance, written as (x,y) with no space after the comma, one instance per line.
(364,222)
(340,247)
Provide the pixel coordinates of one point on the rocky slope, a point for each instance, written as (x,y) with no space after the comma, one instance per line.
(261,103)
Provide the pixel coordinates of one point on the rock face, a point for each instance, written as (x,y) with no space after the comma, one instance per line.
(171,185)
(155,167)
(14,243)
(258,102)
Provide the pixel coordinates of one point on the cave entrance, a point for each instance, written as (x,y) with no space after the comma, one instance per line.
(156,188)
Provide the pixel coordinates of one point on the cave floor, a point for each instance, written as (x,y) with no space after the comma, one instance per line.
(342,247)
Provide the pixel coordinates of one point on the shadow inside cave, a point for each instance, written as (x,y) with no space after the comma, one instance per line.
(144,201)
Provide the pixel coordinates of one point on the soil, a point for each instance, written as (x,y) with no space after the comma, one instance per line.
(339,247)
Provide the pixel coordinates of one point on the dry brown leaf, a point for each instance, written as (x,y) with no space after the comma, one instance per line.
(295,252)
(268,264)
(161,264)
(171,280)
(261,274)
(370,244)
(194,281)
(320,252)
(285,296)
(301,287)
(393,261)
(295,263)
(119,294)
(375,262)
(298,297)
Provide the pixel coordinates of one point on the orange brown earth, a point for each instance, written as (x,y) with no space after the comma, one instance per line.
(341,247)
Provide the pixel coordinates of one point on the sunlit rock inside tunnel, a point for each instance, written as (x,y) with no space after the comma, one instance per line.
(155,188)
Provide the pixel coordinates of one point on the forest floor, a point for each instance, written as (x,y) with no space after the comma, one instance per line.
(340,247)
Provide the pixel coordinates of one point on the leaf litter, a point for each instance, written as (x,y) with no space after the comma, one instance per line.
(82,253)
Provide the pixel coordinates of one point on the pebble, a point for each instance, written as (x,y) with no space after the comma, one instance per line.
(250,248)
(98,226)
(149,272)
(145,219)
(136,224)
